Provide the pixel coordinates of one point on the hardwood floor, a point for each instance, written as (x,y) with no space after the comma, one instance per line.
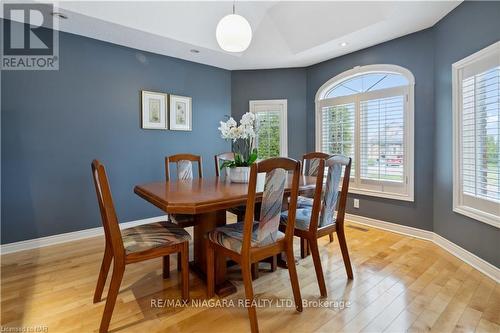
(400,284)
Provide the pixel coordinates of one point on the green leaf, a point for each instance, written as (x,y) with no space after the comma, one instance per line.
(227,164)
(237,159)
(252,158)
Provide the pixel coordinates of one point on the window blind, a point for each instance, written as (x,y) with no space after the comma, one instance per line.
(268,134)
(338,131)
(480,133)
(382,148)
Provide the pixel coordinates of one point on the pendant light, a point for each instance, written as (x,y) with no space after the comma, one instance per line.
(233,33)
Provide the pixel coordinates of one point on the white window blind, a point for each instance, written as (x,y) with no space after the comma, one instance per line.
(338,131)
(480,133)
(268,135)
(476,135)
(368,116)
(382,139)
(271,116)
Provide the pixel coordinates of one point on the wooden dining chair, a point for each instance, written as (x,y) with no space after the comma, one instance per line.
(310,167)
(184,164)
(240,211)
(132,245)
(250,241)
(318,220)
(219,160)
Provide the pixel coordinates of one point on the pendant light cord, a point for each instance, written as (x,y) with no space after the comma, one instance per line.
(234,1)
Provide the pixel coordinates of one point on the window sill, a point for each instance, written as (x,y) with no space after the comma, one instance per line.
(393,196)
(478,215)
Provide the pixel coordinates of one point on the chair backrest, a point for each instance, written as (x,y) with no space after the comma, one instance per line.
(221,158)
(325,203)
(184,166)
(107,209)
(310,163)
(277,170)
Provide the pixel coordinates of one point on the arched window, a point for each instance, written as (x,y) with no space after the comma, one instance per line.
(367,113)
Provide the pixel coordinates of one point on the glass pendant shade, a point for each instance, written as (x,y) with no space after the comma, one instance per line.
(233,33)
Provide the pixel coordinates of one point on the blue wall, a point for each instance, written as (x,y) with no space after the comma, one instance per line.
(466,30)
(428,54)
(415,53)
(289,84)
(55,122)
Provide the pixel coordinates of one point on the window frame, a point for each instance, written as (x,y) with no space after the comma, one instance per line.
(462,203)
(409,121)
(253,104)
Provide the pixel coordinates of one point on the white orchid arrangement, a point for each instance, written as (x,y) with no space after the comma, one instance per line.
(242,136)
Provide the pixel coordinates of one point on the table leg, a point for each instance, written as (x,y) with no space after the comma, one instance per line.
(205,223)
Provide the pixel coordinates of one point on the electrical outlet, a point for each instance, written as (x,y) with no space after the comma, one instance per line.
(356,203)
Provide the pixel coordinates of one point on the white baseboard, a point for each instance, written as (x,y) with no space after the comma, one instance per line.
(459,252)
(393,227)
(70,236)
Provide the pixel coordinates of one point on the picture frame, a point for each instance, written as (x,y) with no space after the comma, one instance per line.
(154,110)
(180,110)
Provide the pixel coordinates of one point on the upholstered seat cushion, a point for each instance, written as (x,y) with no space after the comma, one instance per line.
(153,235)
(182,220)
(231,236)
(304,202)
(302,218)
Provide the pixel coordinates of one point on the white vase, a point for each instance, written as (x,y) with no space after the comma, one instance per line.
(239,174)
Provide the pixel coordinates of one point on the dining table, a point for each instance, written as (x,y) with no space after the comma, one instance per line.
(207,199)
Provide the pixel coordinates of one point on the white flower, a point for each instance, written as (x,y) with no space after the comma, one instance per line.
(224,130)
(234,133)
(246,130)
(231,122)
(248,119)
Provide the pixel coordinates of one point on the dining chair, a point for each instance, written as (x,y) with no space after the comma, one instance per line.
(132,245)
(250,241)
(240,211)
(184,164)
(310,166)
(318,220)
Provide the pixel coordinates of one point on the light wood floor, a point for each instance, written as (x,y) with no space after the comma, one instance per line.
(400,284)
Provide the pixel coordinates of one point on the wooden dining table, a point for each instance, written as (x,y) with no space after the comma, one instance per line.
(207,199)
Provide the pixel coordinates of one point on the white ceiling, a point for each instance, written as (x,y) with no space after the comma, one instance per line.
(285,34)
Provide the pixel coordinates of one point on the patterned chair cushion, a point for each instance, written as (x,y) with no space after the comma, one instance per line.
(302,218)
(184,170)
(304,202)
(231,236)
(153,235)
(182,220)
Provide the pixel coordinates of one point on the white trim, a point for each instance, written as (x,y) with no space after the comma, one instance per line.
(409,135)
(69,236)
(462,254)
(480,264)
(458,197)
(385,195)
(377,68)
(393,227)
(284,120)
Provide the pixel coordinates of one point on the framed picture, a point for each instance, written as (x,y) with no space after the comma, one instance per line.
(154,110)
(180,113)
